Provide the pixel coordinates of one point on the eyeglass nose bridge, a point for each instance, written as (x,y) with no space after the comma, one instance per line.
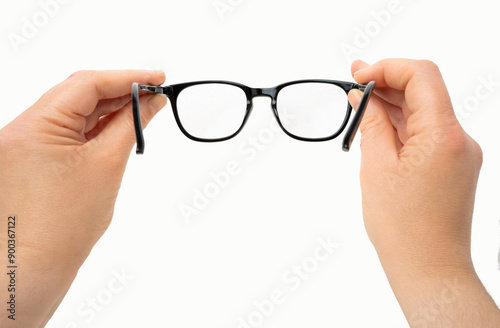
(263,92)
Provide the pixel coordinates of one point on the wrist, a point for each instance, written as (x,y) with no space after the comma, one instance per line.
(448,301)
(43,272)
(438,293)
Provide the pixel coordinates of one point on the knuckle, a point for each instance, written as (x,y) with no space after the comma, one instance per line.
(83,75)
(428,65)
(82,78)
(453,142)
(459,144)
(456,141)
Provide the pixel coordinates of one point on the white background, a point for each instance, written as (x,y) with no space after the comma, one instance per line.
(209,272)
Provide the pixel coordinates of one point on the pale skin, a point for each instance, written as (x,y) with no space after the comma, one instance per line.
(419,173)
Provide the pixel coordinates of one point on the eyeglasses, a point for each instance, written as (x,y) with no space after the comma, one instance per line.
(211,111)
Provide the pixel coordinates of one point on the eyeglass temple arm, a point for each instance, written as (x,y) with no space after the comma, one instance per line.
(353,128)
(137,113)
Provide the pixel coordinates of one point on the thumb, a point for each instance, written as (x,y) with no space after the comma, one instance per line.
(118,136)
(378,137)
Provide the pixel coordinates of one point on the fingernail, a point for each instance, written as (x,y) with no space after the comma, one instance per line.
(362,69)
(359,71)
(361,61)
(355,97)
(155,71)
(157,102)
(356,93)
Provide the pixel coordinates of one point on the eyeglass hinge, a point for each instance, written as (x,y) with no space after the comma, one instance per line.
(361,87)
(158,89)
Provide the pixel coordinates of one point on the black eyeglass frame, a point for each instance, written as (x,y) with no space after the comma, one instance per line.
(172,92)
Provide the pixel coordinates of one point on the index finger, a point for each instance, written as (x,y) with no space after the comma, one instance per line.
(80,93)
(421,81)
(396,73)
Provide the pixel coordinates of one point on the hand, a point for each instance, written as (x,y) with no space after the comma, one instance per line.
(419,172)
(61,165)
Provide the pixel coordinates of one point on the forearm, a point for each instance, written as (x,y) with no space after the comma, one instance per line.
(440,294)
(38,293)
